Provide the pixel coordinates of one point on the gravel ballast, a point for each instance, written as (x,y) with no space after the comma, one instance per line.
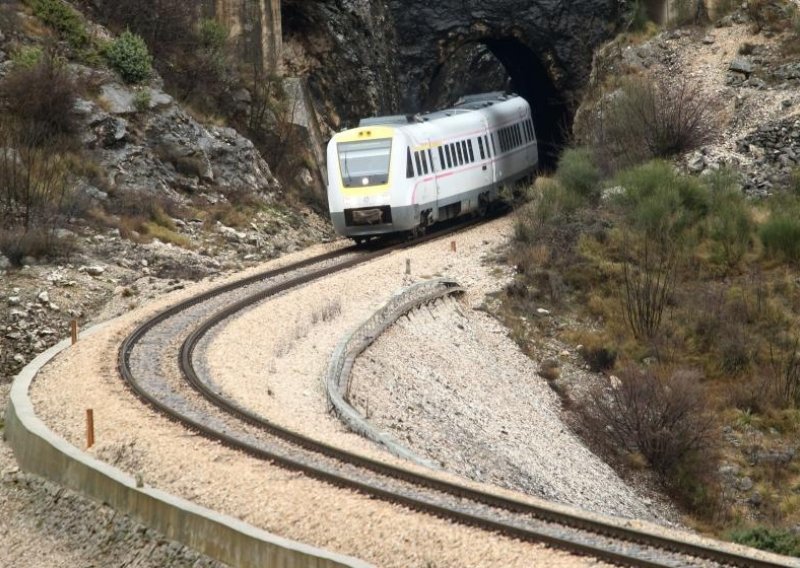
(286,503)
(449,383)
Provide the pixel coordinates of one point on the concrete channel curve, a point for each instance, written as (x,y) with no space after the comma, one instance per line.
(39,451)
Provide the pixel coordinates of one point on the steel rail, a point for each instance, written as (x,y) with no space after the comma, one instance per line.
(592,526)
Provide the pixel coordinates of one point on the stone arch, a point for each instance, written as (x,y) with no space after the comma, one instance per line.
(516,69)
(545,46)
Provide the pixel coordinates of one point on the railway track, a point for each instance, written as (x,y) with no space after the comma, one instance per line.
(159,379)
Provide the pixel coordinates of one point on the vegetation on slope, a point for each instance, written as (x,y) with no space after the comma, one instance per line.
(683,294)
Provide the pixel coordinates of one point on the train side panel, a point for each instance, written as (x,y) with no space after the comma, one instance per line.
(386,179)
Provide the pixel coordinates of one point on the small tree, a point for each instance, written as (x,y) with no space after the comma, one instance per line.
(40,96)
(650,118)
(34,194)
(129,56)
(662,418)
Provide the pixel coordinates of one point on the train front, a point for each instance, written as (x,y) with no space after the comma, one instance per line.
(364,174)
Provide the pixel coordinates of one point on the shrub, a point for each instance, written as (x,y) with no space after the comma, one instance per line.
(33,187)
(61,17)
(28,57)
(660,202)
(41,97)
(598,353)
(17,245)
(730,223)
(780,541)
(781,236)
(663,419)
(141,100)
(128,55)
(648,119)
(578,173)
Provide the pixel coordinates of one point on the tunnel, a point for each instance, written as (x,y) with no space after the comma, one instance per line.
(411,56)
(505,64)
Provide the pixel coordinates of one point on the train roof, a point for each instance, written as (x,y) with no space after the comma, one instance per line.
(465,104)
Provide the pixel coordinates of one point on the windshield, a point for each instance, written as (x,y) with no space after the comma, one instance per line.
(365,163)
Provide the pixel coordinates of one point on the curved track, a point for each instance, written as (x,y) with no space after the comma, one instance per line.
(223,420)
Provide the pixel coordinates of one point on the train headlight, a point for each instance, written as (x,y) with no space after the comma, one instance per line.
(365,181)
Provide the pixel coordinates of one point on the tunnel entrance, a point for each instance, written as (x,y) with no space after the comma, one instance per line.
(507,64)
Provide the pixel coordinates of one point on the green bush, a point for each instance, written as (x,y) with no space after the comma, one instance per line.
(779,541)
(661,202)
(59,16)
(781,236)
(578,173)
(730,225)
(128,55)
(28,57)
(211,34)
(142,99)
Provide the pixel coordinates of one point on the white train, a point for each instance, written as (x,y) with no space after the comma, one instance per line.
(396,174)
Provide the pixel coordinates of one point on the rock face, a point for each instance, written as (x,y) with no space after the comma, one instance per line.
(156,147)
(365,58)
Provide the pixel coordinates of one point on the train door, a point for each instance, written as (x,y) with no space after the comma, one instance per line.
(432,152)
(489,166)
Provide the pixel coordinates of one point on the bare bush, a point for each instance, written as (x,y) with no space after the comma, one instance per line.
(41,98)
(35,198)
(648,284)
(662,419)
(33,185)
(784,375)
(650,118)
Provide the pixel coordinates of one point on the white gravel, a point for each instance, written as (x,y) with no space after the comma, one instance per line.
(286,503)
(450,384)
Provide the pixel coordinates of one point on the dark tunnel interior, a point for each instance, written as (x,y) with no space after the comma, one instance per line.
(530,80)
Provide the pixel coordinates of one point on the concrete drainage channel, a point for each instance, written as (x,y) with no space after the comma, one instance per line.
(337,375)
(40,452)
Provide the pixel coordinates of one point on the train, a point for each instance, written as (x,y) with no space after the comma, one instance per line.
(402,174)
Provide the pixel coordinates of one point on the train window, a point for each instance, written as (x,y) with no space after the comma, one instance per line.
(430,160)
(488,148)
(409,164)
(449,157)
(504,140)
(419,166)
(531,129)
(459,154)
(424,159)
(469,156)
(471,150)
(442,163)
(494,148)
(519,134)
(480,148)
(365,163)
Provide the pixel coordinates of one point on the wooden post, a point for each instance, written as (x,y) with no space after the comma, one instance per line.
(408,266)
(453,246)
(89,427)
(73,327)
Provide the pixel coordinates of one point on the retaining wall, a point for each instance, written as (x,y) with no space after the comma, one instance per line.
(41,452)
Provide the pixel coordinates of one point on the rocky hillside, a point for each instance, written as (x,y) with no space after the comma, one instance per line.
(153,195)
